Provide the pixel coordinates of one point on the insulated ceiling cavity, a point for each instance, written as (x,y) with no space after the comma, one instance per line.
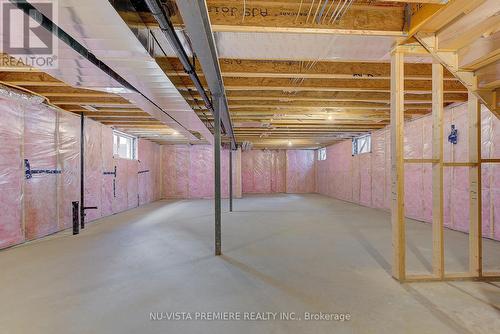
(294,46)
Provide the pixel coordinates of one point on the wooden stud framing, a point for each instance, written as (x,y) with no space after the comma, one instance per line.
(475,228)
(437,171)
(397,165)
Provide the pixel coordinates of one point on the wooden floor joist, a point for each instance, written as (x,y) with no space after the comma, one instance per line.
(289,17)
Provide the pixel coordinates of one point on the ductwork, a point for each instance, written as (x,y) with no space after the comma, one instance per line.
(96,26)
(168,29)
(197,24)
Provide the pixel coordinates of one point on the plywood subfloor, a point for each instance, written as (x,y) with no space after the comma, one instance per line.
(282,253)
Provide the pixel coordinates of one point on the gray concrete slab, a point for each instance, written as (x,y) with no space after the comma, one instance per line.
(282,253)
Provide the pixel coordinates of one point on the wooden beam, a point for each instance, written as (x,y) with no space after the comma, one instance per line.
(289,17)
(329,96)
(30,79)
(325,85)
(345,105)
(437,171)
(100,114)
(260,68)
(67,91)
(482,21)
(480,53)
(420,15)
(432,17)
(488,77)
(475,227)
(397,166)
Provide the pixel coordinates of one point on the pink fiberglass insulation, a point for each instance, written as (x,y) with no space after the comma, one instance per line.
(148,171)
(11,173)
(175,171)
(300,171)
(50,141)
(365,179)
(69,163)
(187,171)
(257,171)
(341,174)
(201,172)
(119,197)
(278,175)
(274,171)
(110,192)
(378,169)
(93,169)
(355,180)
(108,202)
(40,192)
(490,137)
(132,184)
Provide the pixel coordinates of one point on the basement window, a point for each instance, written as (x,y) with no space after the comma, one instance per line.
(124,145)
(362,144)
(322,154)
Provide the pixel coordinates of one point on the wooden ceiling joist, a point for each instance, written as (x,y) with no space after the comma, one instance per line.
(329,96)
(326,85)
(244,68)
(290,17)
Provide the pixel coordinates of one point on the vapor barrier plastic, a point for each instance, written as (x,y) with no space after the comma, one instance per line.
(40,148)
(36,200)
(378,160)
(201,172)
(69,163)
(39,159)
(175,171)
(256,171)
(300,171)
(275,171)
(346,177)
(148,171)
(93,170)
(11,173)
(188,171)
(114,184)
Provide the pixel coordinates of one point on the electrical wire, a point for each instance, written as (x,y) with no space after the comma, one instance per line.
(244,10)
(298,12)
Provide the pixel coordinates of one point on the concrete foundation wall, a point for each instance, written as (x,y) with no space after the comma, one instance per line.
(365,179)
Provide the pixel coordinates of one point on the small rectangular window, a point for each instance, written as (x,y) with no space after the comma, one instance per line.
(124,145)
(322,154)
(362,144)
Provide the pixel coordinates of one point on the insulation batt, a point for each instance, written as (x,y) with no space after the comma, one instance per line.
(31,208)
(278,171)
(188,172)
(365,178)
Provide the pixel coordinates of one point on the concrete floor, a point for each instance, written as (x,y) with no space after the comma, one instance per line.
(282,253)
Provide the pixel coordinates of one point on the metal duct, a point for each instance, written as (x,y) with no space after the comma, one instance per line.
(195,16)
(168,29)
(105,35)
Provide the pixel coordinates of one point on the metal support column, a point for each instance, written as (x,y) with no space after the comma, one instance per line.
(217,108)
(230,180)
(82,171)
